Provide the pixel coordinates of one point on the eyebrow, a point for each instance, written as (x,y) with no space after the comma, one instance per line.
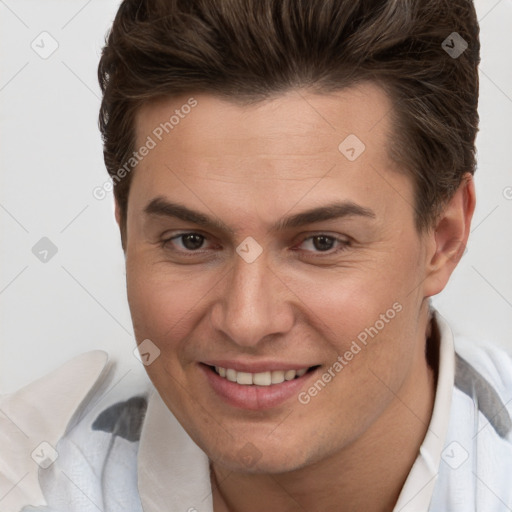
(160,206)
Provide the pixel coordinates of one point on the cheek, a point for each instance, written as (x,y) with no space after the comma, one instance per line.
(343,303)
(163,304)
(162,309)
(371,353)
(369,318)
(368,330)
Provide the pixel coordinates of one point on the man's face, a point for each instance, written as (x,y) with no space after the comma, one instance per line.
(256,294)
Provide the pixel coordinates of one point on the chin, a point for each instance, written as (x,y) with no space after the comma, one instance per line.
(258,457)
(265,464)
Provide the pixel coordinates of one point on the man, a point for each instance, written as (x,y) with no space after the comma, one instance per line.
(293,182)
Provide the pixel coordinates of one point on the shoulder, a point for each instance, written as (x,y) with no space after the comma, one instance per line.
(484,373)
(477,457)
(34,418)
(490,361)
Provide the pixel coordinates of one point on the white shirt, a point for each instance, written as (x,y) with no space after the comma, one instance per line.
(111,457)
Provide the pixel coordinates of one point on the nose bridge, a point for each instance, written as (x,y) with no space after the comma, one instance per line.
(252,305)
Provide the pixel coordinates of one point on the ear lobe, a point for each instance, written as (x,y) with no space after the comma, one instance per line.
(450,237)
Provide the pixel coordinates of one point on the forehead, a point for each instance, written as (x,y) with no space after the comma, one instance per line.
(310,123)
(320,147)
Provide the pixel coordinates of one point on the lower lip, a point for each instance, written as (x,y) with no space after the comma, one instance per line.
(254,397)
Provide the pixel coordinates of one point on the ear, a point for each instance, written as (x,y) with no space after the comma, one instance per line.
(449,238)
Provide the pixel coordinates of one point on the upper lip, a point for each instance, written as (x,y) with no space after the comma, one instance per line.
(256,367)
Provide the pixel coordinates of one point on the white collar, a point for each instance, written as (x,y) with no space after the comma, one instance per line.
(174,473)
(417,491)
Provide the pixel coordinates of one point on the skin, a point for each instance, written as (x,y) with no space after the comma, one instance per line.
(352,446)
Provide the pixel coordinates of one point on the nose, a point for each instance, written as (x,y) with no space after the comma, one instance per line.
(254,303)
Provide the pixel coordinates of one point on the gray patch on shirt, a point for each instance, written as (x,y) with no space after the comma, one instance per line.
(470,382)
(123,419)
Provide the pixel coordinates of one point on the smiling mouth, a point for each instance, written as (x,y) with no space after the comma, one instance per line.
(268,378)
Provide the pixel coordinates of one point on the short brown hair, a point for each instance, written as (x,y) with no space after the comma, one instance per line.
(250,50)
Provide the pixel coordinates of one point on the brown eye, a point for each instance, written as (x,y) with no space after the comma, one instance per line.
(322,242)
(191,241)
(186,242)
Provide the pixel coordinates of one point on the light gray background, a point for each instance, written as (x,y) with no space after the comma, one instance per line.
(51,159)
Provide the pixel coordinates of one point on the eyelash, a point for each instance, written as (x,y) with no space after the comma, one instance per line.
(343,244)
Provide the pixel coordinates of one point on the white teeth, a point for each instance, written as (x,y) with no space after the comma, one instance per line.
(289,374)
(277,376)
(259,379)
(262,379)
(244,378)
